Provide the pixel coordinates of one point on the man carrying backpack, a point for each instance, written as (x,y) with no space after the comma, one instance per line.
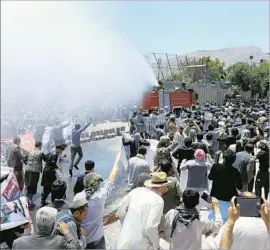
(73,218)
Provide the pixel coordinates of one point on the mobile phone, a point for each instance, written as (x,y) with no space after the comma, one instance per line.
(249,207)
(206,197)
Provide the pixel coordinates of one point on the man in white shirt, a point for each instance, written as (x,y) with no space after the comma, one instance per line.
(248,232)
(183,228)
(179,137)
(136,166)
(96,197)
(144,208)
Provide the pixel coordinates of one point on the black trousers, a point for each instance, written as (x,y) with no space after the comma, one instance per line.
(74,152)
(262,181)
(45,193)
(99,244)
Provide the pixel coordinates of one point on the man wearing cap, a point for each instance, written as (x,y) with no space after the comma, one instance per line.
(73,218)
(144,206)
(96,197)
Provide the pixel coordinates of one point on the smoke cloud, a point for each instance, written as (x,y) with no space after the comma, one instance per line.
(52,57)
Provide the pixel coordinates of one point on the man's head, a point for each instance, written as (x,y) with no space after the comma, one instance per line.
(17,140)
(181,129)
(89,166)
(79,209)
(188,142)
(45,219)
(249,148)
(166,166)
(59,149)
(199,155)
(92,181)
(64,146)
(263,144)
(209,136)
(142,150)
(199,136)
(137,137)
(210,127)
(159,182)
(77,126)
(59,189)
(229,157)
(38,144)
(191,198)
(235,132)
(161,125)
(164,141)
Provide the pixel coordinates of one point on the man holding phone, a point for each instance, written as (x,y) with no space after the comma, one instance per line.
(249,232)
(233,215)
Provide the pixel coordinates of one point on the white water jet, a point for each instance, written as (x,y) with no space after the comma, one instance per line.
(51,56)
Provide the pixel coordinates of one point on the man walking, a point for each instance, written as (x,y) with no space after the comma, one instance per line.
(76,146)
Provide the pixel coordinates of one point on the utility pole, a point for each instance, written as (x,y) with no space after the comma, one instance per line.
(251,65)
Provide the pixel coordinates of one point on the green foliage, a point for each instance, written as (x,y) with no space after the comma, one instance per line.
(247,77)
(215,70)
(240,74)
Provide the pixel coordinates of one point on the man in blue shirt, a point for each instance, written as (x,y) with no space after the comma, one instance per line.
(76,146)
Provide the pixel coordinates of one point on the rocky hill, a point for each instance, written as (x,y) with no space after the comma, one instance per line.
(232,55)
(228,55)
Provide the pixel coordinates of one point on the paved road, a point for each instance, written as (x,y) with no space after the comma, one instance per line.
(101,152)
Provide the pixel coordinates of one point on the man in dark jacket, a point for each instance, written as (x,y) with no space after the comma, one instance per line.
(49,173)
(89,168)
(15,161)
(230,140)
(226,178)
(262,179)
(186,152)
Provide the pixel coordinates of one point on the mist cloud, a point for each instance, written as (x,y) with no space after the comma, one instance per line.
(51,56)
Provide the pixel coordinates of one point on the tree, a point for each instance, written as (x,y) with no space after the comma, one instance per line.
(240,74)
(261,78)
(247,77)
(214,70)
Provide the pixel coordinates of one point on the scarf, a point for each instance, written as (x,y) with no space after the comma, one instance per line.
(185,216)
(89,192)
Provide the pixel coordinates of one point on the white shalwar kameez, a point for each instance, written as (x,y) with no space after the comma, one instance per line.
(140,226)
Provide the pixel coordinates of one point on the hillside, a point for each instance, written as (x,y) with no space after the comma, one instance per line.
(227,55)
(232,55)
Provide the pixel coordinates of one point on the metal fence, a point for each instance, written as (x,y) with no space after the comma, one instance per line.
(207,92)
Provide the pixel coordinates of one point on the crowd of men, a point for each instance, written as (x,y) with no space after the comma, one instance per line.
(223,149)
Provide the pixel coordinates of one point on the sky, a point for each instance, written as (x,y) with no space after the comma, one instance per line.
(183,26)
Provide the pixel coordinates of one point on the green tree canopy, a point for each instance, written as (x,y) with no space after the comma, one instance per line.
(247,77)
(215,69)
(240,74)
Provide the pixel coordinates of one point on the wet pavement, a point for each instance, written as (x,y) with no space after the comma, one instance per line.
(102,152)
